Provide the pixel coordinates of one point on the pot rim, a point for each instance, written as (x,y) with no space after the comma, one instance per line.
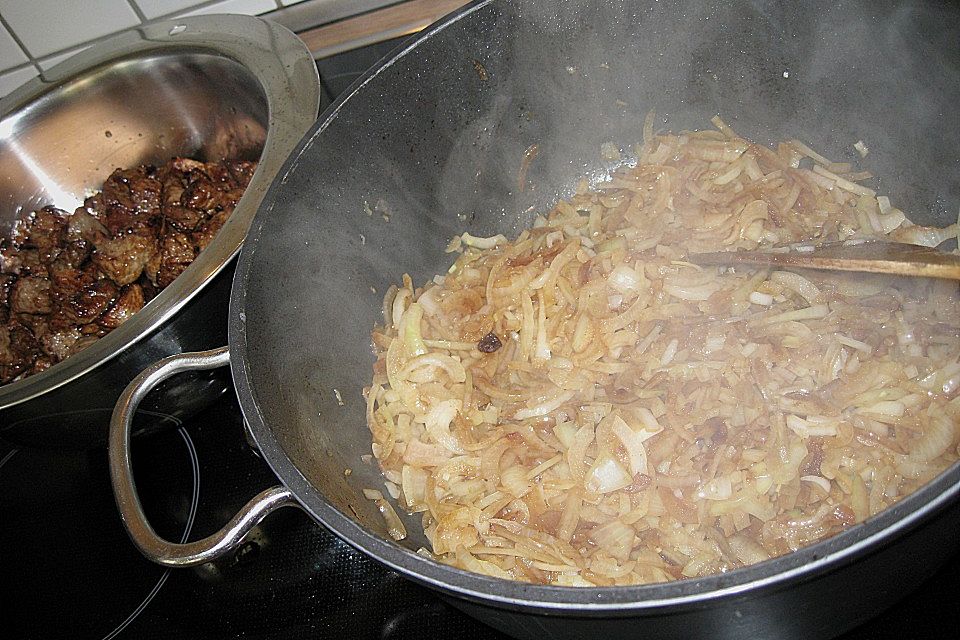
(283,66)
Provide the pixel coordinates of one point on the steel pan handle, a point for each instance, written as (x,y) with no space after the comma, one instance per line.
(144,537)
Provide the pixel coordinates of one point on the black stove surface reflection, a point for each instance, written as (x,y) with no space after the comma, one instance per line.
(70,571)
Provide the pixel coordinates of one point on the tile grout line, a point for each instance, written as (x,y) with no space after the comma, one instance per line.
(31,60)
(35,62)
(176,14)
(98,39)
(136,10)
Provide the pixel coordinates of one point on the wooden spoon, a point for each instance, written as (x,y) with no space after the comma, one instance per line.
(892,258)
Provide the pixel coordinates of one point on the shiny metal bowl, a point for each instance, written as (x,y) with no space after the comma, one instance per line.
(207,87)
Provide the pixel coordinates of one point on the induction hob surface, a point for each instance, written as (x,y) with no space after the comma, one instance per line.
(70,570)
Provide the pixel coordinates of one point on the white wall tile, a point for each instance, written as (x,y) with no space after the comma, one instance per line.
(46,63)
(13,79)
(46,26)
(11,55)
(155,8)
(248,7)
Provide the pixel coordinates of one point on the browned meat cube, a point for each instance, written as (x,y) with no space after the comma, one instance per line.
(67,282)
(31,294)
(6,282)
(242,171)
(173,183)
(42,363)
(132,201)
(58,343)
(129,302)
(136,190)
(95,206)
(22,262)
(182,218)
(18,351)
(38,325)
(201,194)
(84,226)
(176,254)
(73,256)
(150,290)
(186,165)
(203,236)
(44,230)
(123,258)
(87,303)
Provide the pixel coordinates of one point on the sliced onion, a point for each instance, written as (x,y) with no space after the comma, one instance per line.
(542,350)
(483,567)
(606,475)
(414,485)
(614,537)
(544,407)
(482,243)
(438,421)
(762,299)
(813,312)
(421,454)
(925,236)
(633,443)
(799,285)
(746,550)
(624,279)
(410,330)
(820,481)
(453,367)
(719,488)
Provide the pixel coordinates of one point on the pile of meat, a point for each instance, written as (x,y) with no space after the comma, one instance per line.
(67,279)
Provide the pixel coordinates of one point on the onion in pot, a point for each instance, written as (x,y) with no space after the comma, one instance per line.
(580,406)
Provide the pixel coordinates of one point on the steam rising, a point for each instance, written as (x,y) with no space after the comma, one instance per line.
(570,76)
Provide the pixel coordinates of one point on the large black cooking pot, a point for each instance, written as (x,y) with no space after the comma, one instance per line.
(429,144)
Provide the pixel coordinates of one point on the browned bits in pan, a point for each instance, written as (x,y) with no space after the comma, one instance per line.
(489,343)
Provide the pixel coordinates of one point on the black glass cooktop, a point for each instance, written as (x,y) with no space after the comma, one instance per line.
(70,571)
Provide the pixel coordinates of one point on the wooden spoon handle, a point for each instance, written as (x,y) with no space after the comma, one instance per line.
(869,257)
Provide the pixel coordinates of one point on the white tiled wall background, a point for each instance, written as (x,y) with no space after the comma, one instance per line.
(36,34)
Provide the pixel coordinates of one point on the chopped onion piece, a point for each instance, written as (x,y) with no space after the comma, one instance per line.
(716,489)
(437,423)
(606,475)
(544,407)
(798,284)
(763,299)
(820,481)
(633,443)
(624,279)
(482,243)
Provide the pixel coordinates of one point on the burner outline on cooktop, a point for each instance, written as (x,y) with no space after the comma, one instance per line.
(194,501)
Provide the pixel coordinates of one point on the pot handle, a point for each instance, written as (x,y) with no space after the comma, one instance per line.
(144,537)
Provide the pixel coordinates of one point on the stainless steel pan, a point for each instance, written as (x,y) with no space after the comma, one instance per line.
(430,143)
(206,87)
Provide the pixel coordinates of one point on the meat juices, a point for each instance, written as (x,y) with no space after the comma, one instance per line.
(67,279)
